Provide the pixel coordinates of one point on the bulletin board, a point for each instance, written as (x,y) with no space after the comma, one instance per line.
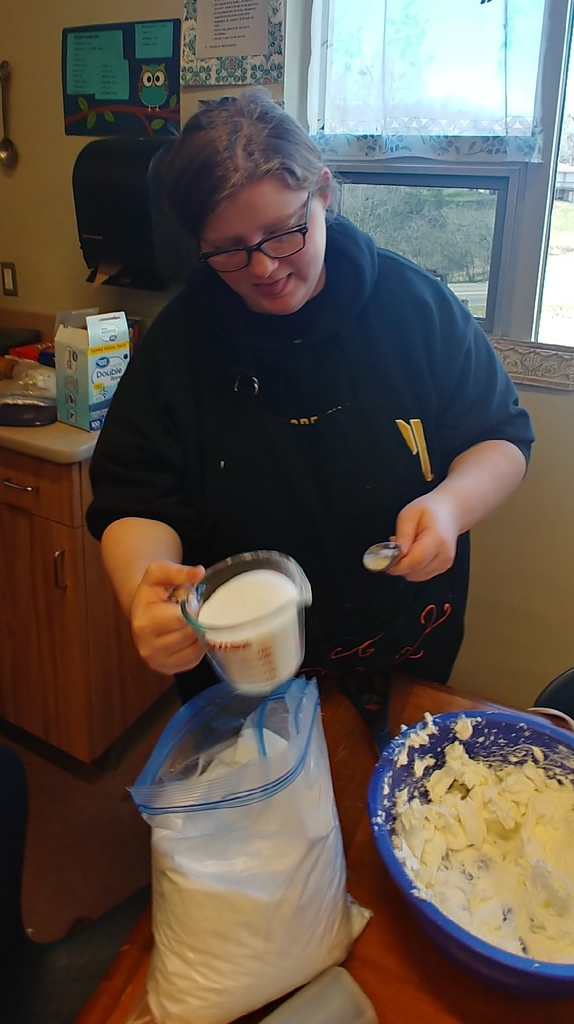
(122,78)
(234,67)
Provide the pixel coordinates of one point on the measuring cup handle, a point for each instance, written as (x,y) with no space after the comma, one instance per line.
(188,597)
(181,592)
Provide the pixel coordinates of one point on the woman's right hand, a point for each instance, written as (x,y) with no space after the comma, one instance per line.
(161,634)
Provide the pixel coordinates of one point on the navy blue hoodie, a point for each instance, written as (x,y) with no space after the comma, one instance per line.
(307,434)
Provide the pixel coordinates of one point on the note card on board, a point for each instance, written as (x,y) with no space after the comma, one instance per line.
(122,79)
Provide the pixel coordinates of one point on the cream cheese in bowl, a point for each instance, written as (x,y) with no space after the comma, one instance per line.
(473,816)
(493,848)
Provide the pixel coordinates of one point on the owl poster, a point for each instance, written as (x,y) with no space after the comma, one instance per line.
(122,79)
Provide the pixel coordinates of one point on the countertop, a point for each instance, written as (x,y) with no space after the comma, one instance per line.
(57,443)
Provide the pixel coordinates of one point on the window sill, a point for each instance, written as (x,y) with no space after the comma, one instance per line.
(536,364)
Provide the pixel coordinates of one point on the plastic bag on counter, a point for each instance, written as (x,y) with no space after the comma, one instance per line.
(33,378)
(332,998)
(28,395)
(249,897)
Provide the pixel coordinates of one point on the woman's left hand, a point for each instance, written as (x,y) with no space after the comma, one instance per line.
(427,532)
(427,529)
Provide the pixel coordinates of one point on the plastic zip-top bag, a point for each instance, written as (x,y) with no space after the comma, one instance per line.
(249,897)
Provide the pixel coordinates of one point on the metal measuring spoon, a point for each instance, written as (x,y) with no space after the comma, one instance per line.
(8,151)
(380,557)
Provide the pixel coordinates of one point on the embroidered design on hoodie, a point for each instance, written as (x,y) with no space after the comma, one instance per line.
(429,619)
(414,436)
(306,421)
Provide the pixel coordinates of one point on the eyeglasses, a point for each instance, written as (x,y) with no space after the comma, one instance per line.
(276,246)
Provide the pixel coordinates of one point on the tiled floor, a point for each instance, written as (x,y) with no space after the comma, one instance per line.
(87,846)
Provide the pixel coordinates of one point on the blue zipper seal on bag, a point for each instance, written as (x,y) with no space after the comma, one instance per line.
(188,718)
(259,715)
(249,796)
(180,726)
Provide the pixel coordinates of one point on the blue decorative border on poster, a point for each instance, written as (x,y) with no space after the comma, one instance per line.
(262,69)
(122,78)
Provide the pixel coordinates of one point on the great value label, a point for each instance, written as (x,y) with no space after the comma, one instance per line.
(89,364)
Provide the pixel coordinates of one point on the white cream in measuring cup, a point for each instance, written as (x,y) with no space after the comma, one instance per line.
(257,640)
(252,624)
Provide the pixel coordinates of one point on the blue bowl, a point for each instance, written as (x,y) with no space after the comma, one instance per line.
(495,735)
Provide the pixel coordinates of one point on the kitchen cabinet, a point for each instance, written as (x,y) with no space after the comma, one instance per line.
(69,672)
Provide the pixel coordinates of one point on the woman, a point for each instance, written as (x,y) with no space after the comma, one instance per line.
(305,392)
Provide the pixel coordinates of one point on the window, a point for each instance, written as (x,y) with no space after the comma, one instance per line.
(449,79)
(519,184)
(450,225)
(556,325)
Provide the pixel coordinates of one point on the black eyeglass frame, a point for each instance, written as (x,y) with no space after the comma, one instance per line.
(300,229)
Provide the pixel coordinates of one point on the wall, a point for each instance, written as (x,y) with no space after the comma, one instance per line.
(522,593)
(37,221)
(520,616)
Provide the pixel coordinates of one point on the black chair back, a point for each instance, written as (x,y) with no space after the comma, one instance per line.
(559,694)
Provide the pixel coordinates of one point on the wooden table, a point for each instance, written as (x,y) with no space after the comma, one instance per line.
(408,980)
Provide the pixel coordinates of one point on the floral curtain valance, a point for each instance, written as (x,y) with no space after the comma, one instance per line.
(449,80)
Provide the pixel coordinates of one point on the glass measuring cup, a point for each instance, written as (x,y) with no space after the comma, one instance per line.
(253,652)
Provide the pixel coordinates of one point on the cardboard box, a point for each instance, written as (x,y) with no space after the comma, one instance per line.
(89,364)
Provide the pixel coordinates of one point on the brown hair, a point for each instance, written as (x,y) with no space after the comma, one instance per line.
(232,142)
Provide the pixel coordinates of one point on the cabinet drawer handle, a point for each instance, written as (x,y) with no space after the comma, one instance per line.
(59,569)
(19,487)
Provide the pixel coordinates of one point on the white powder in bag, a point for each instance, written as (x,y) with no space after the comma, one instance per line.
(249,902)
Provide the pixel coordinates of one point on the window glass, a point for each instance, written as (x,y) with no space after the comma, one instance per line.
(450,231)
(446,80)
(557,314)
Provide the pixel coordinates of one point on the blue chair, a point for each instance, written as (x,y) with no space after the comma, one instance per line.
(47,983)
(559,694)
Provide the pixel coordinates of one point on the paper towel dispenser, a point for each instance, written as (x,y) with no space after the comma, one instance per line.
(126,235)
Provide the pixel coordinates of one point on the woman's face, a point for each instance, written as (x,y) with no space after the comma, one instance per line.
(268,207)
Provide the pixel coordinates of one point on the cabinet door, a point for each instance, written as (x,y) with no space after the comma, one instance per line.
(44,663)
(43,488)
(123,687)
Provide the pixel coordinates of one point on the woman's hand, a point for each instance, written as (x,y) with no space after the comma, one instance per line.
(143,560)
(161,634)
(427,529)
(427,532)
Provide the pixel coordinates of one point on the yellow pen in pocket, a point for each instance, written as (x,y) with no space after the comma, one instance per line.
(414,435)
(406,431)
(417,426)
